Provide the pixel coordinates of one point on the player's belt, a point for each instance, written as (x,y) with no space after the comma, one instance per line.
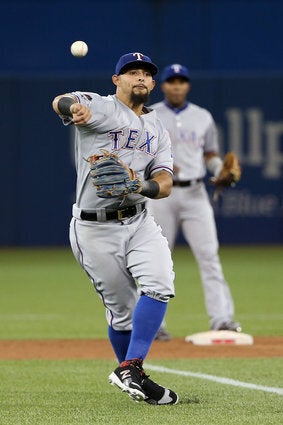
(186,182)
(120,214)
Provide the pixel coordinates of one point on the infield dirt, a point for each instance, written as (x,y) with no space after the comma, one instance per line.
(263,347)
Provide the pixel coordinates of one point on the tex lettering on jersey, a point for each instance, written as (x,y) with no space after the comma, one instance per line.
(133,139)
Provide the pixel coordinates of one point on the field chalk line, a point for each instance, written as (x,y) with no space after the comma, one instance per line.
(213,378)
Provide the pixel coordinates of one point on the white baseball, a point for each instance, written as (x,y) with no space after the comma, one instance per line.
(79,49)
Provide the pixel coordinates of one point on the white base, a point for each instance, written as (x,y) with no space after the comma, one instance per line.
(220,338)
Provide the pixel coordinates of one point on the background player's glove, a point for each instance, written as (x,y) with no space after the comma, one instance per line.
(111,177)
(229,175)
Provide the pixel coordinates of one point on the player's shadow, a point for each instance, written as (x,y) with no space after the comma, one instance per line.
(189,400)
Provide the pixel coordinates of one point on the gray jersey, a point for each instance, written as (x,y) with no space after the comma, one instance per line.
(193,132)
(141,142)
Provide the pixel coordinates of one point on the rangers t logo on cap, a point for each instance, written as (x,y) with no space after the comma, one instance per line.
(175,70)
(139,56)
(132,60)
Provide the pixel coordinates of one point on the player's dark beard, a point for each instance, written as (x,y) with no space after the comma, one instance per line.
(140,98)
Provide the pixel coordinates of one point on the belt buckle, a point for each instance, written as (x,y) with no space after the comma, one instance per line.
(120,214)
(127,212)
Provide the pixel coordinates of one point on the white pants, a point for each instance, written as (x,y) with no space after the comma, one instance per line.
(190,208)
(123,259)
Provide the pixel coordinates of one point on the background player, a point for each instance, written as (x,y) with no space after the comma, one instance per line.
(114,239)
(195,147)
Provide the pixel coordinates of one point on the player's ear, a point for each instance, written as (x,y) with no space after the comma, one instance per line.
(115,79)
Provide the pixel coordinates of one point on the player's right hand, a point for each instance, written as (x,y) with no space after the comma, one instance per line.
(81,114)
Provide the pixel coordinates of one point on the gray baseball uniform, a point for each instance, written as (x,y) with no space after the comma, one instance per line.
(119,253)
(193,133)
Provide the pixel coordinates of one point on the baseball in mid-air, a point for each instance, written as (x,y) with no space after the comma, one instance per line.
(79,49)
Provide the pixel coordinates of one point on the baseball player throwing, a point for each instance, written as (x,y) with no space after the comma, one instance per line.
(123,156)
(195,147)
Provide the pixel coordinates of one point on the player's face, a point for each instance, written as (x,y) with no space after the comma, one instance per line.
(135,84)
(175,91)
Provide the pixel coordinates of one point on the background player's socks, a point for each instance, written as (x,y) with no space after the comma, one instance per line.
(147,318)
(120,342)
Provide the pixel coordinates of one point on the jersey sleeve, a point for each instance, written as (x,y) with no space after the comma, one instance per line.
(101,107)
(163,159)
(211,137)
(85,98)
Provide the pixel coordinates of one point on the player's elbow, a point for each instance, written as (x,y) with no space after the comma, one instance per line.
(167,188)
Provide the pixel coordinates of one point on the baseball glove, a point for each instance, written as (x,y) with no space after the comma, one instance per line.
(111,177)
(229,175)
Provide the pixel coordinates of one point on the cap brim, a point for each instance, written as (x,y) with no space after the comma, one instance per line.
(139,64)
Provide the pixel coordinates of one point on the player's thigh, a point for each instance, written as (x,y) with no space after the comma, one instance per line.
(149,259)
(100,250)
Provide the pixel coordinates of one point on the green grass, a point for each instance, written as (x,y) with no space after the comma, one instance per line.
(254,275)
(45,294)
(77,392)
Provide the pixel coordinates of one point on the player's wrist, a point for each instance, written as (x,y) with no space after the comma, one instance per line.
(64,105)
(214,165)
(150,189)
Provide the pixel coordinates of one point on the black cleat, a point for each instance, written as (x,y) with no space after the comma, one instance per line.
(230,326)
(131,378)
(163,335)
(128,378)
(158,395)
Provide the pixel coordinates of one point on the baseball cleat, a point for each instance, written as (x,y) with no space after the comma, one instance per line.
(158,395)
(131,378)
(230,326)
(163,335)
(128,378)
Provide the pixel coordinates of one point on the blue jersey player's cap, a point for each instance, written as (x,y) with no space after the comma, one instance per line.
(135,60)
(175,71)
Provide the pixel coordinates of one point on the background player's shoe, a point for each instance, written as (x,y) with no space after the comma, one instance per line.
(158,395)
(163,334)
(128,378)
(230,326)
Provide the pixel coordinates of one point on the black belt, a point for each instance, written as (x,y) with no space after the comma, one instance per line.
(186,182)
(115,215)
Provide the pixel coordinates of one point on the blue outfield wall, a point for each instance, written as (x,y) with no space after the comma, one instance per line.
(38,177)
(214,35)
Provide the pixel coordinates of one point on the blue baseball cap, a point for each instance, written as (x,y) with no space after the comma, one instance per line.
(173,71)
(135,60)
